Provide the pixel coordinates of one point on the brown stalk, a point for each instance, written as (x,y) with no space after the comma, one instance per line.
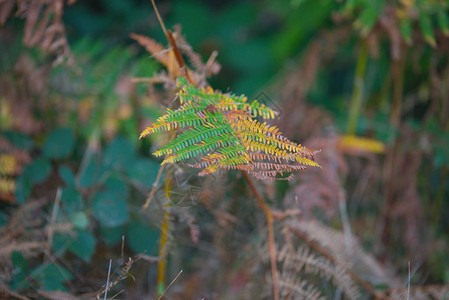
(271,246)
(398,85)
(179,58)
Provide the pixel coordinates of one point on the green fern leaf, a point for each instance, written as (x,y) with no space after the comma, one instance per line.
(221,130)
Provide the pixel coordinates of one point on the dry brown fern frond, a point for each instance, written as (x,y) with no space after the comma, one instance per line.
(291,288)
(426,292)
(322,189)
(345,250)
(43,25)
(212,67)
(198,73)
(16,222)
(26,248)
(403,220)
(27,231)
(157,51)
(302,261)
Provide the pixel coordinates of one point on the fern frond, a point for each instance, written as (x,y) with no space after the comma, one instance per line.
(156,49)
(304,261)
(221,130)
(224,102)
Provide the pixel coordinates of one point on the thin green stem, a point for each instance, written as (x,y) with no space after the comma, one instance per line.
(357,94)
(162,263)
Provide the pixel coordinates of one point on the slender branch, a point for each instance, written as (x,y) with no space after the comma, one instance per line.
(54,214)
(107,280)
(179,58)
(154,189)
(271,246)
(170,285)
(162,264)
(398,86)
(357,95)
(159,19)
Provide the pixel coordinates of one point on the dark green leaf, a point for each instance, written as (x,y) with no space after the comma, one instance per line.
(59,143)
(23,188)
(2,219)
(406,29)
(67,175)
(369,16)
(38,171)
(18,280)
(427,29)
(71,200)
(61,243)
(117,186)
(142,238)
(119,154)
(84,245)
(109,209)
(443,21)
(112,235)
(19,140)
(90,173)
(144,171)
(52,276)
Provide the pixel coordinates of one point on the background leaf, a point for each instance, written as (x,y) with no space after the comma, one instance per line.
(109,209)
(59,143)
(83,245)
(142,238)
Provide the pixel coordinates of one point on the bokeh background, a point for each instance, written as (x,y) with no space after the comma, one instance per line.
(365,82)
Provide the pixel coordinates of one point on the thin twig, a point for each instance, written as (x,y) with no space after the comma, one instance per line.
(53,218)
(150,259)
(123,248)
(5,291)
(160,19)
(408,290)
(162,263)
(117,294)
(179,58)
(174,279)
(271,243)
(107,280)
(154,189)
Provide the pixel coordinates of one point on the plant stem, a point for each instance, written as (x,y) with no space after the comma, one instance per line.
(162,263)
(271,246)
(357,94)
(154,188)
(398,83)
